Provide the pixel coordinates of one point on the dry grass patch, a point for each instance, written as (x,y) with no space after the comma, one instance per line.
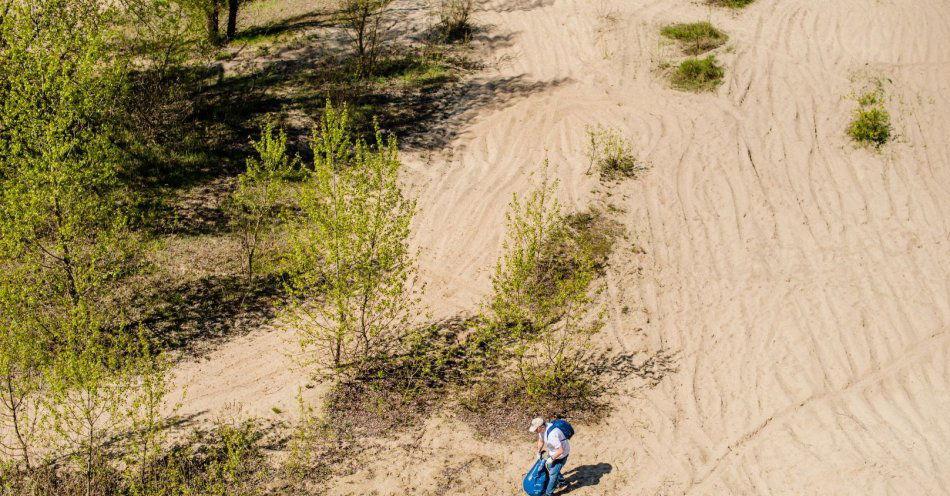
(697,75)
(611,154)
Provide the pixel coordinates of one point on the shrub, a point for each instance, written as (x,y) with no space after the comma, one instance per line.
(611,153)
(455,19)
(698,74)
(732,4)
(871,124)
(314,449)
(542,273)
(696,37)
(596,233)
(227,460)
(399,389)
(541,312)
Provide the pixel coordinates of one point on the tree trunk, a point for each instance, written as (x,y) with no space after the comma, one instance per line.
(232,18)
(212,16)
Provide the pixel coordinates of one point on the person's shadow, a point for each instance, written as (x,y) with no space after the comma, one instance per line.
(585,475)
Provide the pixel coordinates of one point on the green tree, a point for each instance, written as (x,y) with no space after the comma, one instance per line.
(61,205)
(258,194)
(350,263)
(541,310)
(87,388)
(543,273)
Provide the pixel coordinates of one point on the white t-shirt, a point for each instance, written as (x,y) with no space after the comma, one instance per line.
(555,439)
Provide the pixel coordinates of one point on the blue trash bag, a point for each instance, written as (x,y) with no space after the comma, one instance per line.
(536,479)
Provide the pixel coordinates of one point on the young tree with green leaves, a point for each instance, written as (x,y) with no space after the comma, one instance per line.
(543,273)
(350,263)
(22,358)
(64,239)
(61,213)
(542,301)
(257,197)
(87,388)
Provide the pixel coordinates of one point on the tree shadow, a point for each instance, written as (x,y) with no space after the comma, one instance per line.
(517,5)
(202,139)
(585,476)
(651,369)
(197,315)
(314,19)
(431,120)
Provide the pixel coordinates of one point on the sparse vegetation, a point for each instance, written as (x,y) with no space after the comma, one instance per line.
(140,223)
(695,74)
(541,311)
(455,19)
(696,37)
(733,4)
(610,153)
(368,26)
(418,71)
(872,123)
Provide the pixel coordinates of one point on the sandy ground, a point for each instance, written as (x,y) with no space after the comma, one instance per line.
(800,283)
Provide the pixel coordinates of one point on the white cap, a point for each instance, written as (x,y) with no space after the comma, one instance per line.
(535,424)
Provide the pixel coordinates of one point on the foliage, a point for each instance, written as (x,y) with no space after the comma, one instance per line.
(315,447)
(163,34)
(349,261)
(871,126)
(367,24)
(696,37)
(388,394)
(872,123)
(698,74)
(413,71)
(544,274)
(145,410)
(733,4)
(596,232)
(22,356)
(553,371)
(540,310)
(62,212)
(257,197)
(227,460)
(611,153)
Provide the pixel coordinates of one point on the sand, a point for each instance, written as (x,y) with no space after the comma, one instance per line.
(798,284)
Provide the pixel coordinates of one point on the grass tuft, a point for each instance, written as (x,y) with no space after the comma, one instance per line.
(697,74)
(413,71)
(611,153)
(696,37)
